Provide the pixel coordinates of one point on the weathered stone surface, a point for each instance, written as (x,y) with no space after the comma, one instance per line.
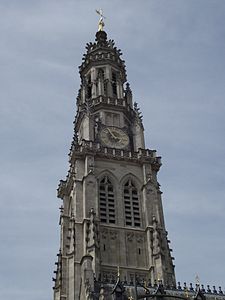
(112,214)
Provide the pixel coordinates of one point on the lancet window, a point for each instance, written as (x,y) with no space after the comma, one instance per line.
(114,84)
(89,87)
(131,205)
(105,87)
(101,74)
(106,201)
(102,82)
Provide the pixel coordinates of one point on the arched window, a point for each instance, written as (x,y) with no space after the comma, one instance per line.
(106,201)
(89,87)
(131,205)
(114,83)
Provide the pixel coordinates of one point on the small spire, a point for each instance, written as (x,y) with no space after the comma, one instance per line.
(101,23)
(197,281)
(145,284)
(186,292)
(118,271)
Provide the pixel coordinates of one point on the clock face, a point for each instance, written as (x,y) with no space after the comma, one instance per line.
(114,137)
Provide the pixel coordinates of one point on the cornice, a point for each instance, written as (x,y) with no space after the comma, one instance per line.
(92,148)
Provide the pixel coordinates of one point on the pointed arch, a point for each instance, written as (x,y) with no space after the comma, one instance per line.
(107,207)
(134,178)
(108,173)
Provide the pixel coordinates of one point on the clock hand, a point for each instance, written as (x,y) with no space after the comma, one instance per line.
(113,135)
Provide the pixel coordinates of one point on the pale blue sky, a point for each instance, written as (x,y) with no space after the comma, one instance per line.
(175,57)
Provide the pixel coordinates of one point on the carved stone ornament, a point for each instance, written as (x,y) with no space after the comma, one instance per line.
(92,232)
(113,235)
(149,177)
(90,164)
(98,123)
(156,239)
(149,189)
(130,236)
(104,234)
(139,238)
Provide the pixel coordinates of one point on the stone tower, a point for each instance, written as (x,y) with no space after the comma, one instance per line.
(112,215)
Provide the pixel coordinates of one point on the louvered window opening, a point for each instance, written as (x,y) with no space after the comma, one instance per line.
(89,87)
(105,88)
(114,84)
(131,204)
(107,201)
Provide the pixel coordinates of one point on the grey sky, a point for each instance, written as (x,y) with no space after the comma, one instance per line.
(175,57)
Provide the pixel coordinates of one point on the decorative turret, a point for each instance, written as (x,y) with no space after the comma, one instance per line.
(102,71)
(128,95)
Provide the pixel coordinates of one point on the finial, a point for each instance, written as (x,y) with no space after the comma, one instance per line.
(101,23)
(197,280)
(145,284)
(186,292)
(130,297)
(118,271)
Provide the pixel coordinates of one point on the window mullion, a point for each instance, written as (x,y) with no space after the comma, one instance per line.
(107,202)
(132,207)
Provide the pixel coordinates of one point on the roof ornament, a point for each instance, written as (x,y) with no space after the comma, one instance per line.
(118,271)
(101,23)
(197,281)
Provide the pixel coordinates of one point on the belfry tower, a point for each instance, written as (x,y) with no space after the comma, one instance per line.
(112,215)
